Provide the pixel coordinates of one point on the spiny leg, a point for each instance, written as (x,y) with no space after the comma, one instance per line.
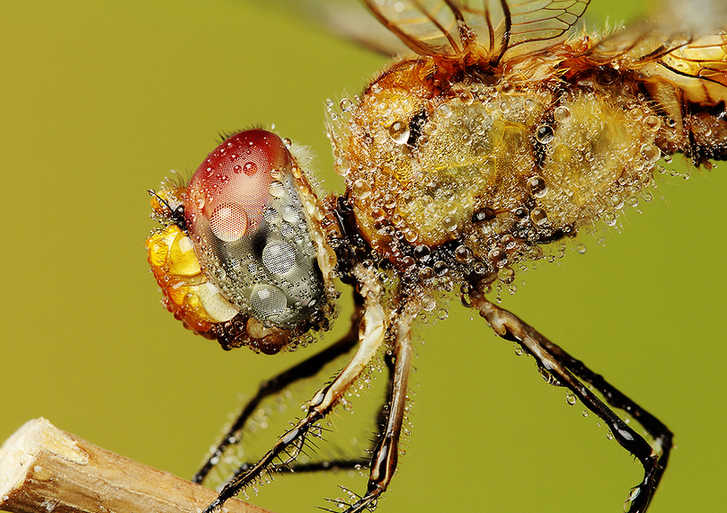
(315,466)
(371,335)
(305,369)
(562,367)
(663,437)
(386,454)
(352,463)
(340,464)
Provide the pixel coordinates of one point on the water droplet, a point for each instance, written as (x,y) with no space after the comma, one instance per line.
(539,216)
(520,212)
(650,152)
(250,168)
(561,113)
(506,274)
(450,224)
(570,399)
(463,254)
(653,123)
(632,495)
(544,134)
(440,268)
(290,214)
(610,218)
(581,248)
(229,222)
(361,189)
(483,215)
(537,185)
(277,190)
(399,132)
(445,110)
(421,251)
(267,300)
(428,303)
(278,257)
(345,104)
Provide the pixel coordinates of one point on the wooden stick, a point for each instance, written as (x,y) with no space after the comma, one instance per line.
(44,469)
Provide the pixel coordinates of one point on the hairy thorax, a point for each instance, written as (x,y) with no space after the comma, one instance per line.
(488,172)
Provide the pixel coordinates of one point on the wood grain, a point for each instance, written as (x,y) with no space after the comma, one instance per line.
(44,469)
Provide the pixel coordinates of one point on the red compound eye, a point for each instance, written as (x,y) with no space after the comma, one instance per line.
(231,188)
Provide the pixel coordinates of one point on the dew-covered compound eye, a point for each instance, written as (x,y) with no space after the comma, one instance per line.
(248,214)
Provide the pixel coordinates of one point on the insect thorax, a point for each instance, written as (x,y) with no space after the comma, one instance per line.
(486,174)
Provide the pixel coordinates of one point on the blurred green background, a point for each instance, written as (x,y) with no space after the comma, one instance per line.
(100,99)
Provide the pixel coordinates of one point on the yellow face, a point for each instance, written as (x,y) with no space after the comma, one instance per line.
(175,266)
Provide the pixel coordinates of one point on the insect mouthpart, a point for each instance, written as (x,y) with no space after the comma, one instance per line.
(253,275)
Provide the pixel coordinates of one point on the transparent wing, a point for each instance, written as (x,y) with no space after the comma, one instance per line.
(444,27)
(450,27)
(348,19)
(705,57)
(428,27)
(688,51)
(538,24)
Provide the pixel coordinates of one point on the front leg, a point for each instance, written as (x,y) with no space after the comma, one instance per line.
(386,453)
(371,336)
(564,368)
(305,369)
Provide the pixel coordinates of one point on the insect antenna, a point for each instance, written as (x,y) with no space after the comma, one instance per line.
(176,215)
(161,200)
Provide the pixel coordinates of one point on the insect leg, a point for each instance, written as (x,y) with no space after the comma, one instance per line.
(564,368)
(386,453)
(341,464)
(371,336)
(305,369)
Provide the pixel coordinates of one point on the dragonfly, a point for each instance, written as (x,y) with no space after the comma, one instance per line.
(498,130)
